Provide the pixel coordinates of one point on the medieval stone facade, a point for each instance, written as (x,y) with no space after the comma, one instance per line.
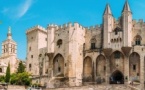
(113,52)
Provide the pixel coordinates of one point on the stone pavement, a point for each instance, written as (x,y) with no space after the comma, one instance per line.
(16,87)
(97,87)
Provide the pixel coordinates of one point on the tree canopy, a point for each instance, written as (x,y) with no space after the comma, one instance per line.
(21,67)
(20,78)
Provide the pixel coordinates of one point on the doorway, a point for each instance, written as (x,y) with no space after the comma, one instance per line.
(117,78)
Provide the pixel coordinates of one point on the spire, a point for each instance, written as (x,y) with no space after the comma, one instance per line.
(126,7)
(9,35)
(9,29)
(107,10)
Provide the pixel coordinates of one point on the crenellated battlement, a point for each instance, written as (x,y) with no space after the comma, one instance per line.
(66,26)
(37,27)
(140,21)
(96,27)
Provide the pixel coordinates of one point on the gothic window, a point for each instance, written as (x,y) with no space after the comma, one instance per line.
(117,55)
(0,70)
(93,43)
(138,40)
(59,43)
(93,46)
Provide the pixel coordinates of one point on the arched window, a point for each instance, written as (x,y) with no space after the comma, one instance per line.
(59,43)
(120,40)
(115,40)
(138,40)
(93,43)
(112,40)
(0,70)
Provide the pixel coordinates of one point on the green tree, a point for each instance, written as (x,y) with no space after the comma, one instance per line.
(21,78)
(2,78)
(7,77)
(14,78)
(21,67)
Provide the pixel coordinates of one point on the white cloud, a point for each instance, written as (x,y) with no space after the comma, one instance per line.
(17,11)
(23,8)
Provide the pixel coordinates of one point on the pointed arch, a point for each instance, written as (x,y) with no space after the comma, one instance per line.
(101,66)
(117,77)
(117,61)
(58,65)
(134,66)
(87,69)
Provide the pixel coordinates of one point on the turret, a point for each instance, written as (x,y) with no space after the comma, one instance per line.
(50,38)
(126,7)
(107,26)
(127,25)
(107,10)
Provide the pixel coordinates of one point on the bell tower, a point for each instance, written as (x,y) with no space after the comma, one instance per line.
(9,46)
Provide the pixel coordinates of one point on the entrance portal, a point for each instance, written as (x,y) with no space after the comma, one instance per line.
(117,78)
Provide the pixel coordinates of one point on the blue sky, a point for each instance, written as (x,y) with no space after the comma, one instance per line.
(23,14)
